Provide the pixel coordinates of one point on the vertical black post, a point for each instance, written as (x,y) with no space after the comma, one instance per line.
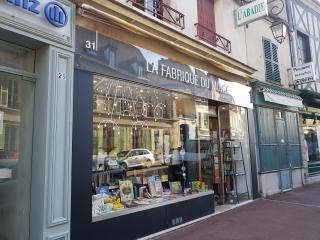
(81,156)
(253,154)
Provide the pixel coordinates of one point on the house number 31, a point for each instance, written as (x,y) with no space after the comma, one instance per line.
(91,45)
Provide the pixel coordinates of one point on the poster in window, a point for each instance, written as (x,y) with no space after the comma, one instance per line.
(126,190)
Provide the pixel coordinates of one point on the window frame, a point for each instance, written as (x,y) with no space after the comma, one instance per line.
(271,60)
(307,53)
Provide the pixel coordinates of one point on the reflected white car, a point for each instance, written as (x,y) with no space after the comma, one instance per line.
(138,157)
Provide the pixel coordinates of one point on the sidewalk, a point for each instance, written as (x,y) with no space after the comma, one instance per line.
(294,215)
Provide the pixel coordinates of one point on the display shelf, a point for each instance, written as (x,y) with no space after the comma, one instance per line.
(118,213)
(231,161)
(232,165)
(111,171)
(133,172)
(236,174)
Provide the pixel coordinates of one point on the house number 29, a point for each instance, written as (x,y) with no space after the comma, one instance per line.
(62,76)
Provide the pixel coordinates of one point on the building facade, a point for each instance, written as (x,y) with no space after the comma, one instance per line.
(276,105)
(304,26)
(161,120)
(36,78)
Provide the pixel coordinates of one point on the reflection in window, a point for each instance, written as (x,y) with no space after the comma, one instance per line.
(145,146)
(303,48)
(140,70)
(15,155)
(14,56)
(110,54)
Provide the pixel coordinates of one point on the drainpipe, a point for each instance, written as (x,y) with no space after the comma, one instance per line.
(291,32)
(293,63)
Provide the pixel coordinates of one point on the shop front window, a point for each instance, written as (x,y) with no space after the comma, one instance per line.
(15,155)
(150,147)
(235,154)
(17,57)
(311,136)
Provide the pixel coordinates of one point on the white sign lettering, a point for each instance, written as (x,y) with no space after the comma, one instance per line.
(52,17)
(251,12)
(186,77)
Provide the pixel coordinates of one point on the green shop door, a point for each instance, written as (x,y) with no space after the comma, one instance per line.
(279,143)
(282,148)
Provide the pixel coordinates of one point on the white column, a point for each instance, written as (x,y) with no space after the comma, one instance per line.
(52,145)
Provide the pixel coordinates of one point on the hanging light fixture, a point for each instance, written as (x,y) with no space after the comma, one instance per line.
(279,30)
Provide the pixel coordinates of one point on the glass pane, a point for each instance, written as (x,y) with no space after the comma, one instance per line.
(15,157)
(149,146)
(15,56)
(235,150)
(311,141)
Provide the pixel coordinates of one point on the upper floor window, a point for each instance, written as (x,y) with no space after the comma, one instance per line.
(206,19)
(206,28)
(303,48)
(140,70)
(17,57)
(139,4)
(271,61)
(4,96)
(9,93)
(160,9)
(110,54)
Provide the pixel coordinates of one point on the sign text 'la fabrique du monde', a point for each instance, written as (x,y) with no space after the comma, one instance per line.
(186,77)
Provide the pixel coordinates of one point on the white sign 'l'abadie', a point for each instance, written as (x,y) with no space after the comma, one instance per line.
(251,12)
(303,73)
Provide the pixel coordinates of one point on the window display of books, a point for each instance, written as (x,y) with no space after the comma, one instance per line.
(140,191)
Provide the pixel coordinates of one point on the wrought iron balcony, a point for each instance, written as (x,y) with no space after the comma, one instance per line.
(161,11)
(213,38)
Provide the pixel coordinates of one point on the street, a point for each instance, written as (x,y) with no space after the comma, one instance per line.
(293,215)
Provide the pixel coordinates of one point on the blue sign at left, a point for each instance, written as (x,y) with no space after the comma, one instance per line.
(54,12)
(29,5)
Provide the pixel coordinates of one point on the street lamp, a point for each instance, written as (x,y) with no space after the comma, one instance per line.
(279,30)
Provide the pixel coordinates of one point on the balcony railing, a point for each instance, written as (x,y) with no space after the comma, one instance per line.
(213,38)
(161,11)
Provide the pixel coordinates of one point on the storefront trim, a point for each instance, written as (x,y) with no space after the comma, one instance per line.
(154,205)
(157,70)
(63,236)
(32,25)
(280,97)
(278,170)
(116,12)
(291,97)
(154,219)
(26,75)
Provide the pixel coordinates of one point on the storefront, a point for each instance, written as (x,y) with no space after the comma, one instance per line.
(36,82)
(157,142)
(309,122)
(278,137)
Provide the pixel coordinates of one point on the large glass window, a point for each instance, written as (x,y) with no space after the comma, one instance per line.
(16,110)
(235,151)
(17,57)
(150,147)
